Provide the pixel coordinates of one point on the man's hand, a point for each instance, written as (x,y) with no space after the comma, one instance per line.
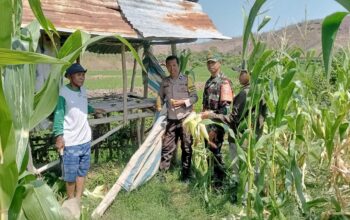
(59,143)
(205,115)
(212,145)
(177,103)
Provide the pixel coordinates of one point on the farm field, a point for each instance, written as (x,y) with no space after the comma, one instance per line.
(176,200)
(291,138)
(113,79)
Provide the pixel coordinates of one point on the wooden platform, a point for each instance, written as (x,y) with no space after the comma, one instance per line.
(115,103)
(137,108)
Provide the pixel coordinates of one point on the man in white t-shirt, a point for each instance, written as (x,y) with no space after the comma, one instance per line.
(72,131)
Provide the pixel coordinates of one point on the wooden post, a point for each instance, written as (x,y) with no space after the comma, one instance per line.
(146,48)
(134,73)
(138,131)
(173,49)
(125,82)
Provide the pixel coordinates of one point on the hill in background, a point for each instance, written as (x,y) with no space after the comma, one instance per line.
(306,35)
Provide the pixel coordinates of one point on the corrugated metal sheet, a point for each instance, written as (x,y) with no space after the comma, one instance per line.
(100,17)
(169,19)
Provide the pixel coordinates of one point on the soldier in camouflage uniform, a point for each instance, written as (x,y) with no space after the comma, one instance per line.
(213,101)
(179,94)
(238,114)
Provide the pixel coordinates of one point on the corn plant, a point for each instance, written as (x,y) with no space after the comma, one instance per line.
(202,159)
(22,196)
(184,58)
(330,28)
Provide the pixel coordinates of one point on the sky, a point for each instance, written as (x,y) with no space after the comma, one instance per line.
(227,14)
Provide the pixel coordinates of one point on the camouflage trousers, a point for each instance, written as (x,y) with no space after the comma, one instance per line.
(216,135)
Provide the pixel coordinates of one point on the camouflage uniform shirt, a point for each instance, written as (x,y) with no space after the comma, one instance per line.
(211,95)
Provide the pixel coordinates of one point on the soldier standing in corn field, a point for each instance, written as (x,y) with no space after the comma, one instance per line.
(237,115)
(217,97)
(179,94)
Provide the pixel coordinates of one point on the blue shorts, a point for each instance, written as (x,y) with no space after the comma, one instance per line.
(76,161)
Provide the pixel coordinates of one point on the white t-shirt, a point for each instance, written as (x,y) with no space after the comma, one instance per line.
(76,128)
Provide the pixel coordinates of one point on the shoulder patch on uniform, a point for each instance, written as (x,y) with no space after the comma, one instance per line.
(190,84)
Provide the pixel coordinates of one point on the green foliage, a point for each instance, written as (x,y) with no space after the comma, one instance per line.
(330,28)
(249,25)
(345,4)
(44,22)
(10,57)
(39,202)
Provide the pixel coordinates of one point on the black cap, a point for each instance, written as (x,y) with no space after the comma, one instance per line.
(75,68)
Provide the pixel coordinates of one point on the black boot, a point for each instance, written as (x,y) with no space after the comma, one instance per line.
(185,175)
(233,191)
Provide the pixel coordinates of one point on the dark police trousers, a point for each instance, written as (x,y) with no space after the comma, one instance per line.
(173,132)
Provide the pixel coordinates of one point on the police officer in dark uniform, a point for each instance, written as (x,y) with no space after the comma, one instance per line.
(179,94)
(217,97)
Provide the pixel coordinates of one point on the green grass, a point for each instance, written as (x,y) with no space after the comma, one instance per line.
(110,80)
(155,200)
(113,79)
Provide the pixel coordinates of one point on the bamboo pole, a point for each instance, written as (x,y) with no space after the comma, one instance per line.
(146,48)
(132,86)
(138,131)
(125,81)
(98,140)
(173,49)
(107,200)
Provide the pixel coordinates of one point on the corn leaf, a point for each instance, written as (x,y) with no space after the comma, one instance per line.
(8,168)
(258,50)
(44,22)
(330,28)
(345,4)
(299,125)
(297,176)
(133,51)
(264,22)
(17,87)
(283,99)
(287,78)
(17,18)
(316,202)
(6,24)
(331,129)
(336,204)
(260,64)
(33,30)
(16,205)
(40,203)
(249,24)
(342,130)
(19,91)
(13,57)
(258,203)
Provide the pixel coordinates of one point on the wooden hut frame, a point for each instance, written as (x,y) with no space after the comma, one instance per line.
(173,26)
